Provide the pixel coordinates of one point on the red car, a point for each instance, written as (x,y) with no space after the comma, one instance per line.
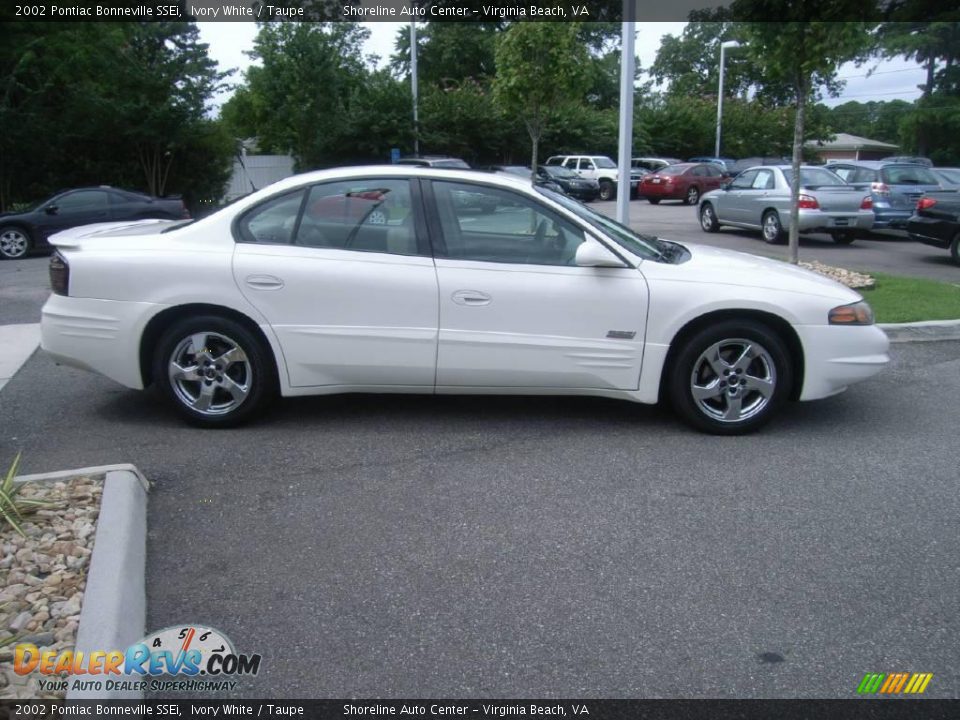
(685,181)
(363,206)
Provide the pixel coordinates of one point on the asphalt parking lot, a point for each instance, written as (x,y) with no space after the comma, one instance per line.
(386,546)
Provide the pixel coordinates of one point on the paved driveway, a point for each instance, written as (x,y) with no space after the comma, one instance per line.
(422,546)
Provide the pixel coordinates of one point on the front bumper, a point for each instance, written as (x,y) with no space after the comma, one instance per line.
(837,356)
(102,336)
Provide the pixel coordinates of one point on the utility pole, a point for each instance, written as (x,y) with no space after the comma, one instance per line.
(625,157)
(413,87)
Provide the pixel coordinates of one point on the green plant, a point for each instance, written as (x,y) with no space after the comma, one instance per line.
(13,507)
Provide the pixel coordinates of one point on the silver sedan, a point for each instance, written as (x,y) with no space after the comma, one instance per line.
(759,199)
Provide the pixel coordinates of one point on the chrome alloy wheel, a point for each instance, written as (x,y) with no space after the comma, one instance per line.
(733,380)
(210,373)
(771,228)
(13,243)
(707,218)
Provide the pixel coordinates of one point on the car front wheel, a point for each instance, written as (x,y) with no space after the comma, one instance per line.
(708,218)
(214,371)
(731,377)
(955,249)
(14,243)
(607,190)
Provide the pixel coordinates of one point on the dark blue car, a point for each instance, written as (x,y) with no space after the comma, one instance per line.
(894,187)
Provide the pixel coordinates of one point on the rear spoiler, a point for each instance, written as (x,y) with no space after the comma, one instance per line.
(72,237)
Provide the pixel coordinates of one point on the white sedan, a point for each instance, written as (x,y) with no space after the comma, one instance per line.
(381,279)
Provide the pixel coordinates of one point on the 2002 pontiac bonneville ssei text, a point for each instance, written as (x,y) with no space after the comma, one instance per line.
(416,291)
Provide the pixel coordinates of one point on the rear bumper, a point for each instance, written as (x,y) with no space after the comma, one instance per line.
(819,221)
(890,219)
(932,231)
(102,336)
(648,190)
(836,357)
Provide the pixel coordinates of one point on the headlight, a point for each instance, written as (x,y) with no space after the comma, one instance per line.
(859,313)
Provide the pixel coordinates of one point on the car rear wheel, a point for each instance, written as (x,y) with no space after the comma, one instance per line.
(708,218)
(693,195)
(772,230)
(845,237)
(214,371)
(731,377)
(955,249)
(654,201)
(607,190)
(14,242)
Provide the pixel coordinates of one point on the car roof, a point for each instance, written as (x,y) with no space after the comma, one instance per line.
(389,171)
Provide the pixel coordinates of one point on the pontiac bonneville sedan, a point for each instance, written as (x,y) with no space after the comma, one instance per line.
(424,293)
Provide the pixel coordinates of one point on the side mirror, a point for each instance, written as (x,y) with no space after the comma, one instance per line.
(593,254)
(51,209)
(725,184)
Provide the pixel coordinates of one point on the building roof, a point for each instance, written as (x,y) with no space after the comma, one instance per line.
(845,141)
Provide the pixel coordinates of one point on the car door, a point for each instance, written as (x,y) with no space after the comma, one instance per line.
(732,205)
(515,309)
(72,209)
(344,277)
(758,197)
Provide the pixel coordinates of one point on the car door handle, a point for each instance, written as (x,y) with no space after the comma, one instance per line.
(264,282)
(471,297)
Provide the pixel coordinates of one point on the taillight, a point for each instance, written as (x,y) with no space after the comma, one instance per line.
(880,188)
(925,203)
(867,203)
(59,274)
(807,202)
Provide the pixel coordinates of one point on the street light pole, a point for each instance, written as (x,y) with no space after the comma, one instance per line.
(723,46)
(627,63)
(413,88)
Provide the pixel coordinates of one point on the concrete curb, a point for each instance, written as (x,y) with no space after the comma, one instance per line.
(114,611)
(923,331)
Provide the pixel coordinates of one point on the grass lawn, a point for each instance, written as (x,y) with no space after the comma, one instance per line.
(899,299)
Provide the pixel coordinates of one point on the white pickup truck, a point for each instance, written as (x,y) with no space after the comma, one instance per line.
(599,168)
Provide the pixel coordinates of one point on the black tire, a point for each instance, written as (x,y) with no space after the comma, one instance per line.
(15,242)
(772,229)
(708,218)
(608,191)
(955,249)
(255,371)
(844,237)
(693,195)
(653,201)
(763,381)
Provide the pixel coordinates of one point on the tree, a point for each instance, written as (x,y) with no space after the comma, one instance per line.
(448,52)
(298,101)
(806,54)
(540,66)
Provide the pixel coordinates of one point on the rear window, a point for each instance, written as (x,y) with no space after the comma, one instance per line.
(951,176)
(814,177)
(673,170)
(908,175)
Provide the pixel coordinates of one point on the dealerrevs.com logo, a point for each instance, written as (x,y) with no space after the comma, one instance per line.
(894,683)
(196,657)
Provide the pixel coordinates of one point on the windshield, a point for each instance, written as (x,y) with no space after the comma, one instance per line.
(557,171)
(814,177)
(647,247)
(908,175)
(604,162)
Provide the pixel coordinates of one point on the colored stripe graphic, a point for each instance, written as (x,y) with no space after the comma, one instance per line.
(894,683)
(870,683)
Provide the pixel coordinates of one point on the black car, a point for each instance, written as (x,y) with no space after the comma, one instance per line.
(936,221)
(543,178)
(572,184)
(29,230)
